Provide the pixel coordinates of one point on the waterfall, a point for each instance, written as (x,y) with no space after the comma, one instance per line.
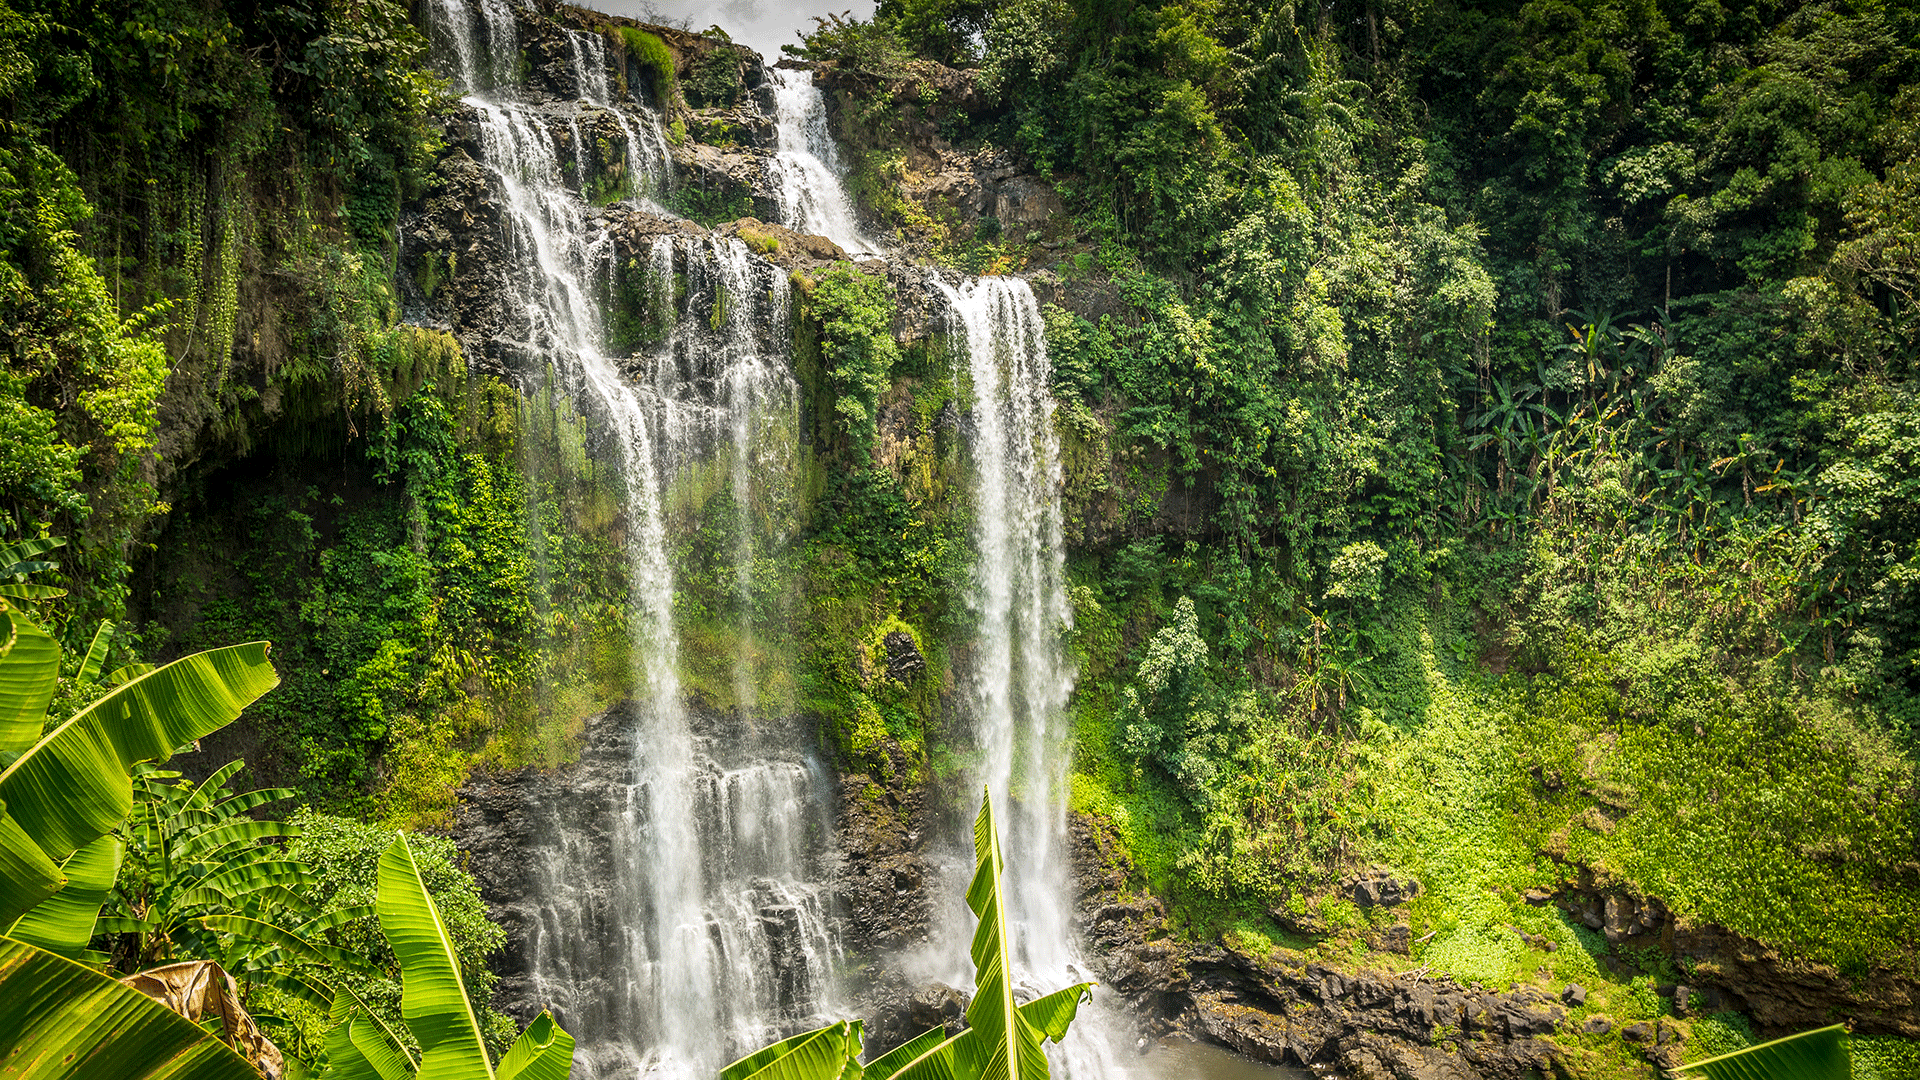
(678,922)
(812,199)
(1021,675)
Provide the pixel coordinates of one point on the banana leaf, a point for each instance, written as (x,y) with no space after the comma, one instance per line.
(60,1019)
(1004,1040)
(287,941)
(29,671)
(360,1047)
(433,997)
(828,1053)
(27,876)
(1000,1043)
(1821,1054)
(63,923)
(17,560)
(907,1053)
(32,592)
(96,652)
(544,1051)
(205,993)
(74,785)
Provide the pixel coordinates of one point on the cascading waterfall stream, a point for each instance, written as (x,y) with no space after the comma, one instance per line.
(812,199)
(679,924)
(1021,675)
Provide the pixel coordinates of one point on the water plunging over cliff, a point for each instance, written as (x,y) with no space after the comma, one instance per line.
(812,199)
(1021,674)
(677,919)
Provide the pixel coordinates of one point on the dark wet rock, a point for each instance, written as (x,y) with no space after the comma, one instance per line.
(499,828)
(1730,971)
(1379,888)
(1397,938)
(1574,995)
(1637,1033)
(1283,1008)
(880,877)
(904,661)
(1597,1025)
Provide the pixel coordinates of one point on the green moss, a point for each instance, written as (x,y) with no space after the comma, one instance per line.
(656,60)
(713,80)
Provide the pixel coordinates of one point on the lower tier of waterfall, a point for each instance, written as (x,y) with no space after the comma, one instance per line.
(757,959)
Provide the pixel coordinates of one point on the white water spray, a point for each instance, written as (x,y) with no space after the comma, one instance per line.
(812,199)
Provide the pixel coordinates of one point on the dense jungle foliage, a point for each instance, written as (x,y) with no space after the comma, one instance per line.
(1498,454)
(1491,448)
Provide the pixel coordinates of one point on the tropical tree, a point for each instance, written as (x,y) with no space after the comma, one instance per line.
(201,879)
(63,793)
(1004,1040)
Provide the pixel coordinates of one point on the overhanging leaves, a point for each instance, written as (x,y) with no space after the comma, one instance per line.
(1820,1054)
(63,1019)
(74,785)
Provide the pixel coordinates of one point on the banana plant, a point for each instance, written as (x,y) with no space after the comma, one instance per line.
(1821,1054)
(828,1053)
(62,792)
(1003,1041)
(433,1003)
(60,1019)
(194,851)
(19,560)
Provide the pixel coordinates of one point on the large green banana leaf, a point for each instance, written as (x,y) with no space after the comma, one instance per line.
(29,672)
(930,1055)
(828,1053)
(59,1019)
(1003,1040)
(1820,1054)
(63,923)
(27,876)
(544,1051)
(74,785)
(433,997)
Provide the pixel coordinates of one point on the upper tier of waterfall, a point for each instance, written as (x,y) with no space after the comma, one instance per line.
(807,166)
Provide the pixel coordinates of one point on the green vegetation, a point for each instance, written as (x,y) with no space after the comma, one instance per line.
(1489,453)
(1821,1054)
(652,54)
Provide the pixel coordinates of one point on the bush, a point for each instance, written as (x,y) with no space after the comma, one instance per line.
(345,859)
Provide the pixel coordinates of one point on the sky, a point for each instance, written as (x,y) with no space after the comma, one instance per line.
(761,25)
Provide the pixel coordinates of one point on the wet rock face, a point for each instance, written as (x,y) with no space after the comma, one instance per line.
(880,878)
(1287,1010)
(501,830)
(1733,971)
(903,657)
